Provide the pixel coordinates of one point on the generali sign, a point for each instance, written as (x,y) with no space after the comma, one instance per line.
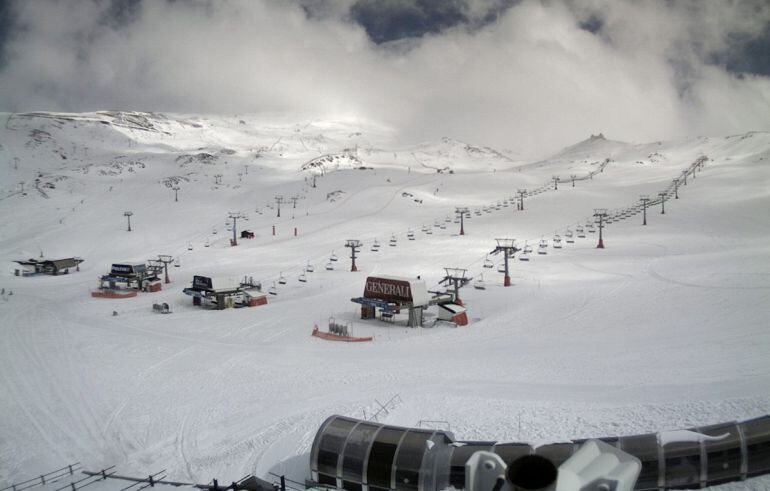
(388,289)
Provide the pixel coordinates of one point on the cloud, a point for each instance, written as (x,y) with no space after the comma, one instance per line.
(530,75)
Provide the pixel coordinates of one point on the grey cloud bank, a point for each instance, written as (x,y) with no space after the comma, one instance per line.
(531,76)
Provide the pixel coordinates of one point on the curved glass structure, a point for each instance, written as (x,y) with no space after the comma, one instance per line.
(357,455)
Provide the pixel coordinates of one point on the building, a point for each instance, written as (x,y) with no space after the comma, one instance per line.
(53,267)
(220,293)
(126,279)
(392,294)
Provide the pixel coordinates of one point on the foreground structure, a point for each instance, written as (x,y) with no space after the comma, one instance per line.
(356,455)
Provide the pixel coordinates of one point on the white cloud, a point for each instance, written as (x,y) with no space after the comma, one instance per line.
(532,79)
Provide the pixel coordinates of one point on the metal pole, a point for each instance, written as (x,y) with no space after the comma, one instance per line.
(662,203)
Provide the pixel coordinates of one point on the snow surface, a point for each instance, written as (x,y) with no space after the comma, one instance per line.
(665,328)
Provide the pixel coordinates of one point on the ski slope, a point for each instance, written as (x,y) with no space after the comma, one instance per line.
(665,328)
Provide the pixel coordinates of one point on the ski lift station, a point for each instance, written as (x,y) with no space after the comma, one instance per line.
(126,279)
(222,293)
(53,267)
(391,295)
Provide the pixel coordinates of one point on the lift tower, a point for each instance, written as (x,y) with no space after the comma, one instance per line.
(456,278)
(354,246)
(234,216)
(600,213)
(128,215)
(166,260)
(644,199)
(507,247)
(461,211)
(521,192)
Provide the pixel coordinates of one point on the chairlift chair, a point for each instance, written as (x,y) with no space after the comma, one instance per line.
(333,257)
(176,263)
(424,228)
(429,231)
(488,262)
(281,279)
(542,248)
(580,232)
(456,220)
(309,268)
(189,246)
(273,290)
(477,212)
(214,230)
(410,235)
(302,278)
(524,256)
(329,266)
(479,283)
(501,267)
(206,244)
(527,248)
(447,219)
(393,241)
(557,241)
(570,237)
(436,224)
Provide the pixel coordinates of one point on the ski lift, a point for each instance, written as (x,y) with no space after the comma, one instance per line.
(580,232)
(281,279)
(207,243)
(176,263)
(447,219)
(309,268)
(488,262)
(527,248)
(570,238)
(456,220)
(375,246)
(424,228)
(557,241)
(524,256)
(479,283)
(543,247)
(272,290)
(302,278)
(501,267)
(333,257)
(477,212)
(591,228)
(189,246)
(429,232)
(330,266)
(410,235)
(436,223)
(392,242)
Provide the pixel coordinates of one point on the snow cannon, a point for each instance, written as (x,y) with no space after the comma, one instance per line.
(356,455)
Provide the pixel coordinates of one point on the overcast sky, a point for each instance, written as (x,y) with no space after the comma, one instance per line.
(530,75)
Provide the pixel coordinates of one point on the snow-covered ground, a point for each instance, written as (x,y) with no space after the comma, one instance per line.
(665,328)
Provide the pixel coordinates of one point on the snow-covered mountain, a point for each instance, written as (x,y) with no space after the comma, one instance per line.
(665,328)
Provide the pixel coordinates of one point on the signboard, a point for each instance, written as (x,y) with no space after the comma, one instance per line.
(388,289)
(202,283)
(124,269)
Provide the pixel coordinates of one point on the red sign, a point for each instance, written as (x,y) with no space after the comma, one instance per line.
(388,289)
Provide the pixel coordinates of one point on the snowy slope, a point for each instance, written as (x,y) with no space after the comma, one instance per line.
(663,329)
